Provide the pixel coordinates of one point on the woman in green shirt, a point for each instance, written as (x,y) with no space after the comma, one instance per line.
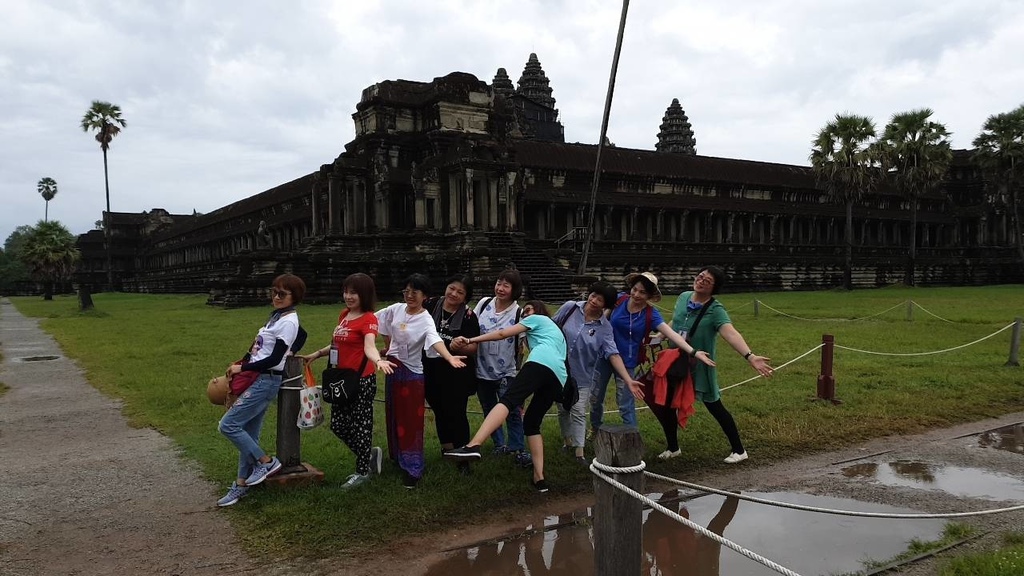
(705,379)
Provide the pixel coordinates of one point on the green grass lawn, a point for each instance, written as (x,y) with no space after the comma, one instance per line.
(157,353)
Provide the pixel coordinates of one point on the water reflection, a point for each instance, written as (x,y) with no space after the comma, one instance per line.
(670,549)
(971,482)
(1009,438)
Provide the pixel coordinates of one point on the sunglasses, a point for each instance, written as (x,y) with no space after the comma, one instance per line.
(278,293)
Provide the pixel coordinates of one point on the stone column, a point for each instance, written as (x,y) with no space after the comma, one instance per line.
(333,205)
(314,205)
(492,203)
(470,206)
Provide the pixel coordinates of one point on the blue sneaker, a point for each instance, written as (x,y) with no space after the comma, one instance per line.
(235,493)
(523,459)
(263,471)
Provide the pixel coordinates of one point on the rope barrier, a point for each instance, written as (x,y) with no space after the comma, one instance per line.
(933,314)
(598,470)
(780,312)
(776,369)
(832,511)
(1003,329)
(292,379)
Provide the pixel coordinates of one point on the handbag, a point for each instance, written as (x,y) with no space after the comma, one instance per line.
(311,413)
(571,391)
(340,385)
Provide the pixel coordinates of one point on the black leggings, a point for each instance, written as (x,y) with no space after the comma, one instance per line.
(447,397)
(667,417)
(537,379)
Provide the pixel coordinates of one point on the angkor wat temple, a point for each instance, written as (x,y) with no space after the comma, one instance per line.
(457,175)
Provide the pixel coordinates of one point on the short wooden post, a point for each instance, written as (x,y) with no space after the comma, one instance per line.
(618,517)
(1015,343)
(288,437)
(910,310)
(826,381)
(757,307)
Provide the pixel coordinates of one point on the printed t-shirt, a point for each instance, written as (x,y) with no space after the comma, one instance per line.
(547,345)
(286,329)
(496,360)
(705,378)
(630,329)
(349,338)
(410,335)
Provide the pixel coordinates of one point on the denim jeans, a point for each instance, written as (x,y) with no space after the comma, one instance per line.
(623,397)
(573,423)
(489,392)
(244,420)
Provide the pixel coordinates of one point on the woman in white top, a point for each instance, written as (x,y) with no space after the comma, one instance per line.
(409,330)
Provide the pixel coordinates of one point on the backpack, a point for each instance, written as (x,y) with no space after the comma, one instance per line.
(482,305)
(571,391)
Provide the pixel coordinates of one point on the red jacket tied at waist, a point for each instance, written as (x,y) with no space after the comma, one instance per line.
(683,396)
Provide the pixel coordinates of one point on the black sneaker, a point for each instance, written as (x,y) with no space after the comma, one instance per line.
(409,481)
(540,486)
(464,453)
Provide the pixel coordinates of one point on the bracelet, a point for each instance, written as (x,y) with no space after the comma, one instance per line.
(748,355)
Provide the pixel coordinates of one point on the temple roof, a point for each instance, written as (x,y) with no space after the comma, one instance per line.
(649,163)
(534,84)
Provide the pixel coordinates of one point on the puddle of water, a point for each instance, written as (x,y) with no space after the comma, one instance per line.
(1009,438)
(807,543)
(38,358)
(970,482)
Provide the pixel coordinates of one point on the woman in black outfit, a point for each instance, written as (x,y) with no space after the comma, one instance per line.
(448,389)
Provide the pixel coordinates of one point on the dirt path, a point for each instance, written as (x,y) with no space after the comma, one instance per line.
(83,493)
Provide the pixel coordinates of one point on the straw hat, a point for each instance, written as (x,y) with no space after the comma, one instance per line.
(217,390)
(631,279)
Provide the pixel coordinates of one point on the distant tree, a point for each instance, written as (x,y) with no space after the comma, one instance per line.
(13,243)
(914,153)
(50,255)
(11,271)
(843,166)
(105,119)
(48,189)
(999,149)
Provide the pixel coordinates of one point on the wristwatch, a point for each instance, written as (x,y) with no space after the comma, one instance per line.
(748,355)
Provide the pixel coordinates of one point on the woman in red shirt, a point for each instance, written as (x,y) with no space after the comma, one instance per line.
(354,340)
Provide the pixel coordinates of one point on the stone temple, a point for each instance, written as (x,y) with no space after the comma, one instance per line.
(458,175)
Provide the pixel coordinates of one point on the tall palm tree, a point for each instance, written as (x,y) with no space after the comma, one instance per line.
(48,188)
(843,167)
(999,149)
(914,153)
(50,254)
(105,119)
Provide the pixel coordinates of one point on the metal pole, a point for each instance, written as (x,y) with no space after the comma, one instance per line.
(757,307)
(1015,344)
(910,310)
(600,143)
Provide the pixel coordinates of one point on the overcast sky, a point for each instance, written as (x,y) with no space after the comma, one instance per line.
(226,99)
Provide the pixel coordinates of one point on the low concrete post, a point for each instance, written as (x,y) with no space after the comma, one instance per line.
(289,440)
(826,381)
(1014,359)
(757,307)
(618,517)
(910,310)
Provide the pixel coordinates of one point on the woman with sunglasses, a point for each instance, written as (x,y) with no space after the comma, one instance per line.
(715,321)
(408,329)
(266,357)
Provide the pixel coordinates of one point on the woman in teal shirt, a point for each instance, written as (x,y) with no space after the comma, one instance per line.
(705,379)
(543,376)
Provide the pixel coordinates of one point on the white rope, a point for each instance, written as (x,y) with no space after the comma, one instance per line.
(830,319)
(833,511)
(751,379)
(1010,325)
(596,467)
(933,314)
(292,379)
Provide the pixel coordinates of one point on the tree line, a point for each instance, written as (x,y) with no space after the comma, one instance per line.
(912,154)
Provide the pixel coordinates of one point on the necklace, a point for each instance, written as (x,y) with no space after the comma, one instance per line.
(446,317)
(632,317)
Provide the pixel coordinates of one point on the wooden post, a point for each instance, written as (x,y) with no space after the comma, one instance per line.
(288,438)
(618,517)
(910,310)
(1015,343)
(757,307)
(826,381)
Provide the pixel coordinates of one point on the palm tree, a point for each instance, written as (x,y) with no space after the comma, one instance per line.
(105,119)
(914,153)
(843,167)
(999,149)
(48,188)
(50,254)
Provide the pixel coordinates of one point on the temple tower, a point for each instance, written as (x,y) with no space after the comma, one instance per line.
(502,84)
(676,135)
(534,84)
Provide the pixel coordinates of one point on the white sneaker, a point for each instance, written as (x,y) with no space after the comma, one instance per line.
(735,458)
(669,454)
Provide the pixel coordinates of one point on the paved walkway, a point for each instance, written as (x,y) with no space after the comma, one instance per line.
(83,493)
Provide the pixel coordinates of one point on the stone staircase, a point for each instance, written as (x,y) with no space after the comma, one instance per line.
(543,277)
